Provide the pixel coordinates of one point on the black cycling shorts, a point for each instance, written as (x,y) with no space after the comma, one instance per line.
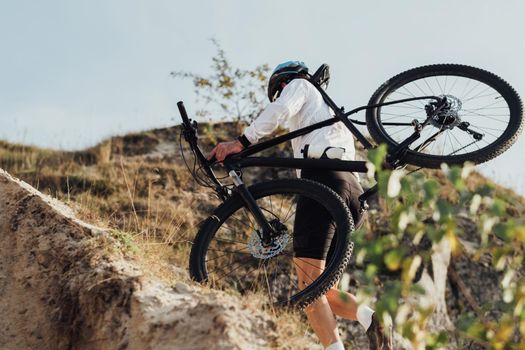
(314,227)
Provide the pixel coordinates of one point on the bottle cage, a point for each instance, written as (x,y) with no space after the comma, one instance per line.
(321,76)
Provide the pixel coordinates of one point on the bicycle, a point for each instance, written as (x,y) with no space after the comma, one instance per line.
(445,113)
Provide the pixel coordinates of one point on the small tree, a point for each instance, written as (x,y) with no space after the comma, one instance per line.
(419,208)
(235,93)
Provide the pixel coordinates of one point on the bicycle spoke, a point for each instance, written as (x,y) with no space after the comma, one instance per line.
(473,142)
(289,217)
(401,93)
(244,223)
(479,109)
(268,285)
(229,271)
(248,216)
(453,85)
(478,94)
(227,253)
(255,283)
(229,241)
(490,104)
(280,208)
(442,91)
(450,140)
(288,212)
(400,130)
(485,116)
(398,115)
(402,105)
(474,88)
(455,138)
(305,273)
(485,131)
(409,93)
(302,259)
(431,90)
(415,83)
(486,127)
(236,231)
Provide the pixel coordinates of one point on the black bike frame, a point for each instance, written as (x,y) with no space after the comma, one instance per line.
(236,162)
(242,159)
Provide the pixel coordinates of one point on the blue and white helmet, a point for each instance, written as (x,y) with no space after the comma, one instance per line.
(283,73)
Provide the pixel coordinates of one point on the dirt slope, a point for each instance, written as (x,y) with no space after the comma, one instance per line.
(62,288)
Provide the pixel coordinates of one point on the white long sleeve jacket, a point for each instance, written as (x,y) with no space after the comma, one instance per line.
(300,105)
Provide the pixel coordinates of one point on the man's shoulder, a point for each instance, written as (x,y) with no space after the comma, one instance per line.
(299,90)
(295,88)
(300,84)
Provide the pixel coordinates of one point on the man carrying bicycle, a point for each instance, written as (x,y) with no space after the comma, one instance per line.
(296,103)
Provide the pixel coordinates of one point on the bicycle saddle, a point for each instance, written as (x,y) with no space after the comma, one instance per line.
(321,76)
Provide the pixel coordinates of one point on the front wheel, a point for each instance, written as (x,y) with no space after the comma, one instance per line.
(483,117)
(228,254)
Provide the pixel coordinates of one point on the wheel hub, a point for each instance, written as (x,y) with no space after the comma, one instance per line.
(277,244)
(448,116)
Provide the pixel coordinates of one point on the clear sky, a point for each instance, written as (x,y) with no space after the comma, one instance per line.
(74,72)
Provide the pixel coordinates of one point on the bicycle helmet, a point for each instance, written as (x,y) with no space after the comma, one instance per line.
(284,73)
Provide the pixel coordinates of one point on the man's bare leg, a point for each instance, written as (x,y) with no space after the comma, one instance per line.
(319,313)
(342,303)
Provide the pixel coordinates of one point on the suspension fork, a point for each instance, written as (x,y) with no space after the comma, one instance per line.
(251,204)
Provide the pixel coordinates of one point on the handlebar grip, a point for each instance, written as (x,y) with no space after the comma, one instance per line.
(183,113)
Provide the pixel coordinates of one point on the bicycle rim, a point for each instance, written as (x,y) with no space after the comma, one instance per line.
(229,255)
(483,120)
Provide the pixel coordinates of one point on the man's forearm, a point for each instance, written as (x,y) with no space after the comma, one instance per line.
(267,122)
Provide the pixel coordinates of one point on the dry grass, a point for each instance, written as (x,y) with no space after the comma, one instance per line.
(141,190)
(145,196)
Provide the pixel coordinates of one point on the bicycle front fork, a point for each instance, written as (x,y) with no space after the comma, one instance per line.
(267,230)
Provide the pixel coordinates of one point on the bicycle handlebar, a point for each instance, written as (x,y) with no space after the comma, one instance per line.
(183,113)
(189,131)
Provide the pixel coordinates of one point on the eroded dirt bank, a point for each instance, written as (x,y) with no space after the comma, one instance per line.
(60,288)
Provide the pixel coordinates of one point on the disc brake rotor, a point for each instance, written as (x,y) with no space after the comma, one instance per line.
(276,246)
(448,117)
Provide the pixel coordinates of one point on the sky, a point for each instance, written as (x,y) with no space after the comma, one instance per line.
(75,72)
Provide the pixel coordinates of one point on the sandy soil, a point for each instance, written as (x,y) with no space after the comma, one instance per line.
(61,288)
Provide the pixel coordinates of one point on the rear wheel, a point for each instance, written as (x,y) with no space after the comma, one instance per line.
(228,254)
(482,120)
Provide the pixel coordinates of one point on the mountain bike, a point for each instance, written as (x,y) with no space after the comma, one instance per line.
(444,113)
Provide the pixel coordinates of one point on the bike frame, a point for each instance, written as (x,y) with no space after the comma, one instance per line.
(236,162)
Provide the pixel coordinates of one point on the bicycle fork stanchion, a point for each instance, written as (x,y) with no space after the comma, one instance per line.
(266,234)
